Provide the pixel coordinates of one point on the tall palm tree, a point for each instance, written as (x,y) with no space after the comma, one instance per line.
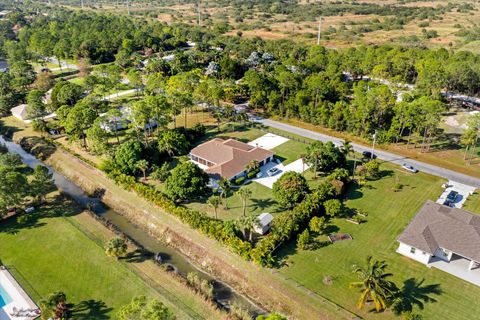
(244,194)
(214,202)
(247,224)
(347,149)
(374,284)
(226,187)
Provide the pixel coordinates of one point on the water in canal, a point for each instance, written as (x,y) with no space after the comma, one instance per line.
(222,293)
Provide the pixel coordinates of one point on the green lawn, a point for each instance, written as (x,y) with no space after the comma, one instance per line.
(56,252)
(473,203)
(388,214)
(290,151)
(260,201)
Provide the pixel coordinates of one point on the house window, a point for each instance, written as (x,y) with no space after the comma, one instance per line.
(412,250)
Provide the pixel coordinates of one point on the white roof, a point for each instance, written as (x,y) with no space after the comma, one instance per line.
(265,218)
(19,111)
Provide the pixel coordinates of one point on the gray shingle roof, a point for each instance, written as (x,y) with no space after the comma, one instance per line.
(437,226)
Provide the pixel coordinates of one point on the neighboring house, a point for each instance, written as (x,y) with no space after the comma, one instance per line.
(264,223)
(228,158)
(3,66)
(446,238)
(116,123)
(20,112)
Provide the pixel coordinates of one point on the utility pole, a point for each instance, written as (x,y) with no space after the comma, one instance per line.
(128,7)
(199,19)
(319,30)
(373,145)
(82,4)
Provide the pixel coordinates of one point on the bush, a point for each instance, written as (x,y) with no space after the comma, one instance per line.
(187,181)
(333,207)
(304,239)
(239,181)
(290,189)
(253,174)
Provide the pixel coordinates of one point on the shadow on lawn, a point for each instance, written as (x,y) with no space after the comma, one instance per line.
(414,293)
(58,206)
(90,309)
(138,256)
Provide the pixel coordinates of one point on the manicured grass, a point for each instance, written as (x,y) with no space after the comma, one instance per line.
(290,151)
(52,255)
(473,203)
(260,201)
(61,249)
(388,214)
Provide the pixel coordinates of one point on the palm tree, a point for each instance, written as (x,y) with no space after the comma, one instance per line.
(347,149)
(252,165)
(116,247)
(226,187)
(314,155)
(55,305)
(244,194)
(142,165)
(374,284)
(247,224)
(214,202)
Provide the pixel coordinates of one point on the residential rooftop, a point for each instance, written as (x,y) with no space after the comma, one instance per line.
(438,226)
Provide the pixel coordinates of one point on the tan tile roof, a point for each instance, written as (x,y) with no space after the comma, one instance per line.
(438,226)
(229,156)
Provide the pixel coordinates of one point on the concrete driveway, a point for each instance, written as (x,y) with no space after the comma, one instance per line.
(297,166)
(463,192)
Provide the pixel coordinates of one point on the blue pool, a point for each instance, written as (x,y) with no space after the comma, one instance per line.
(4,297)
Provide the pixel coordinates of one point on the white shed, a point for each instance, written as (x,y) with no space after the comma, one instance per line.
(264,222)
(20,112)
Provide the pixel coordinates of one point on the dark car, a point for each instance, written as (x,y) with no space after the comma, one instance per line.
(451,197)
(368,155)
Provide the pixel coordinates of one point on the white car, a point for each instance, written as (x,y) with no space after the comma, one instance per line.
(409,168)
(273,171)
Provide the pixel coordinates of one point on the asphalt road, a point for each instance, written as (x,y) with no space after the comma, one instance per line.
(383,155)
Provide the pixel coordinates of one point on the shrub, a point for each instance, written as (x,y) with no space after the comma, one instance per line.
(333,207)
(290,189)
(187,181)
(304,239)
(239,181)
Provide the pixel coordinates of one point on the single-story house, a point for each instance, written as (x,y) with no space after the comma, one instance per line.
(264,223)
(20,112)
(446,235)
(228,158)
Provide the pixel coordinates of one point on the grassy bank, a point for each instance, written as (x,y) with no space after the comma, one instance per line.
(61,248)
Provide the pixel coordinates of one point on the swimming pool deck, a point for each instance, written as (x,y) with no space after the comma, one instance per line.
(21,302)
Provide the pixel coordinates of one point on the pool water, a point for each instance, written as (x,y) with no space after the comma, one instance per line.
(4,297)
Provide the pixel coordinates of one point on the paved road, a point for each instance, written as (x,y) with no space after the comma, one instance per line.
(387,156)
(65,65)
(114,96)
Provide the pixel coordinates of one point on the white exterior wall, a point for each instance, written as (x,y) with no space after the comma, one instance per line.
(419,255)
(443,254)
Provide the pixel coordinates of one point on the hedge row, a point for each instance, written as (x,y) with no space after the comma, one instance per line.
(286,225)
(221,231)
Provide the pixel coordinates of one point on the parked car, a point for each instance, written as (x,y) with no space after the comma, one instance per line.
(410,168)
(368,155)
(272,171)
(451,197)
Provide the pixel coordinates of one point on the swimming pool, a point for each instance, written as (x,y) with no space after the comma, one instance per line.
(4,297)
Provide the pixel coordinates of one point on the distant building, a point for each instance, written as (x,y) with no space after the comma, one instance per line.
(20,112)
(264,223)
(228,158)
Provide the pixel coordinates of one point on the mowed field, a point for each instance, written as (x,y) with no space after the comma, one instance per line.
(61,249)
(328,270)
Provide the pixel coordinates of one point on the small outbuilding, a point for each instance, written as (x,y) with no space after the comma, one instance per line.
(20,112)
(264,223)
